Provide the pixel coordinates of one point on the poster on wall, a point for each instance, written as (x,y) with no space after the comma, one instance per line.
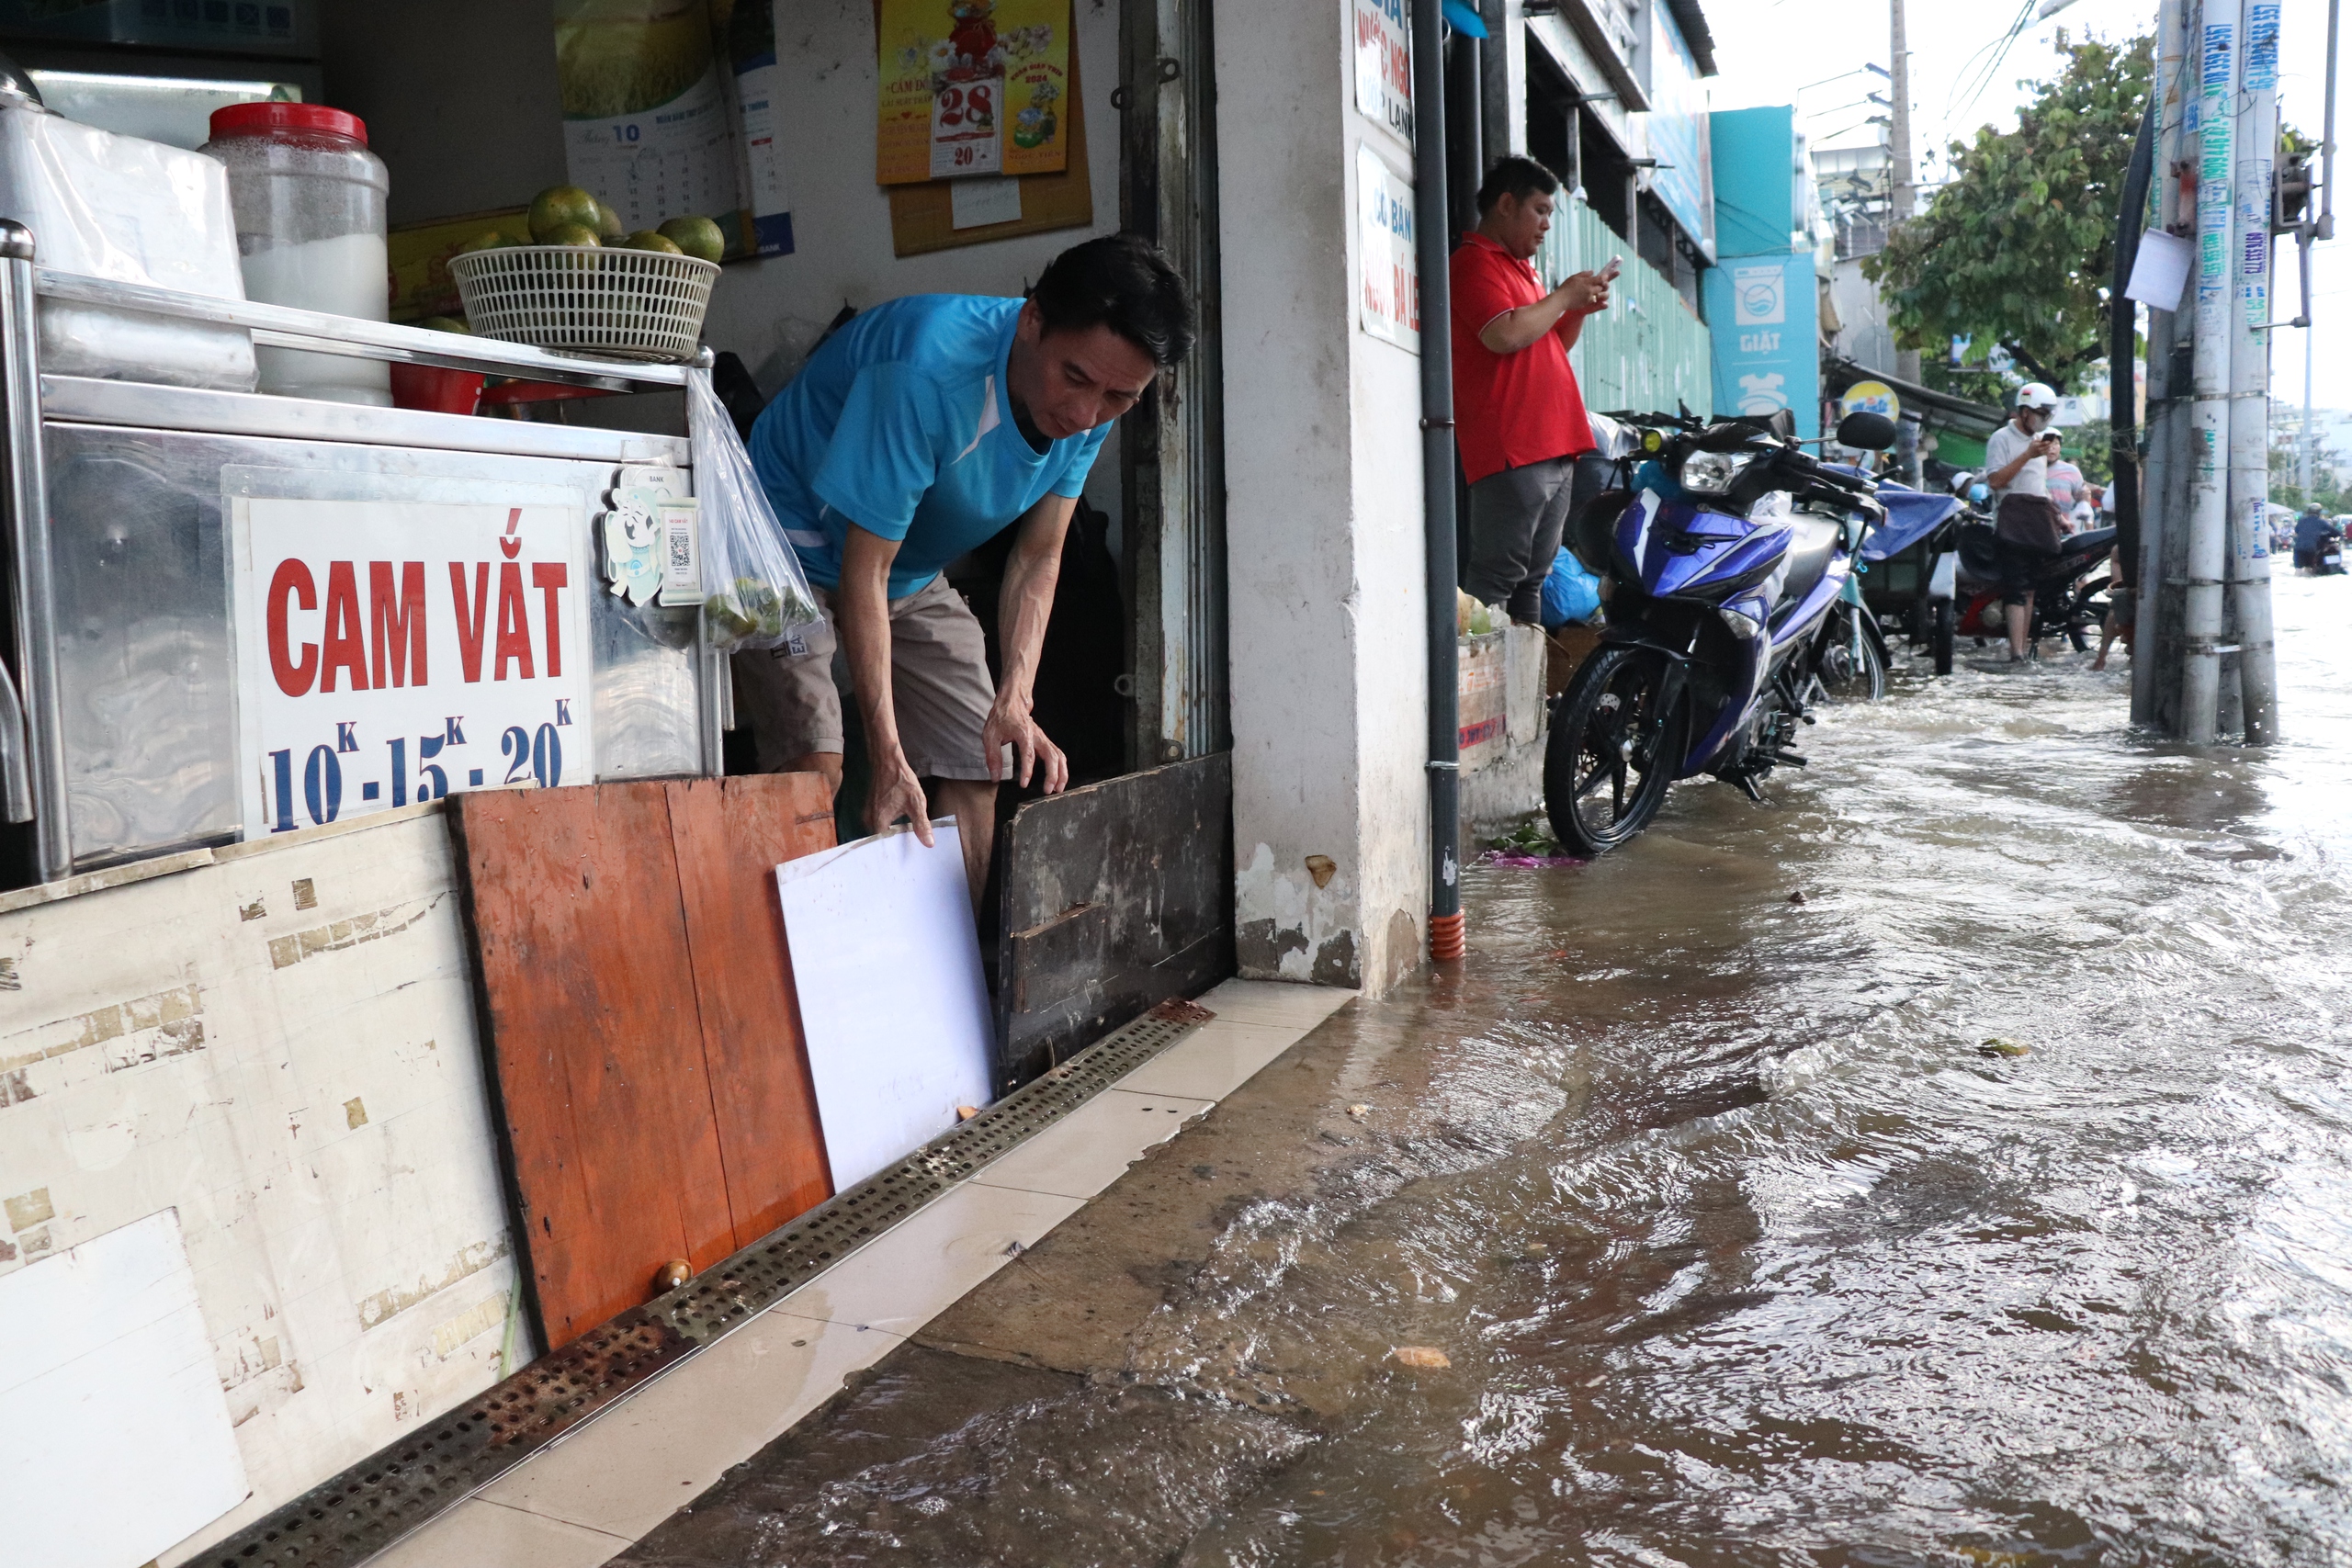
(1384,53)
(669,112)
(972,88)
(392,651)
(1389,291)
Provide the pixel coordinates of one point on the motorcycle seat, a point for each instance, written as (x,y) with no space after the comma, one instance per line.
(2087,542)
(1978,557)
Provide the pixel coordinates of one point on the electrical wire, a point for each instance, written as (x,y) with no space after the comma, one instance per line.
(1954,104)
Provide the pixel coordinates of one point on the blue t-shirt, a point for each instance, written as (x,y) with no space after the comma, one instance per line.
(901,425)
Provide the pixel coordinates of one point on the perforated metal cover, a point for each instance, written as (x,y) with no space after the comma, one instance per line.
(399,1489)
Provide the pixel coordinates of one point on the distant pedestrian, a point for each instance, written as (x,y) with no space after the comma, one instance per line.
(2026,534)
(1520,418)
(2066,484)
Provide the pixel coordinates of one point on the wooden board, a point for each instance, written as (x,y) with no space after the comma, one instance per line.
(923,216)
(653,1095)
(725,830)
(1116,898)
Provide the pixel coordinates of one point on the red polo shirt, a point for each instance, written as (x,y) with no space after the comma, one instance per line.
(1510,410)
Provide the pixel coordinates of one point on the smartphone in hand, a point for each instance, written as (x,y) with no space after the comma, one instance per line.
(1616,264)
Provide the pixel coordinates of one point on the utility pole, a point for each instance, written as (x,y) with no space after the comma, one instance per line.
(2205,558)
(2156,652)
(2249,555)
(1900,191)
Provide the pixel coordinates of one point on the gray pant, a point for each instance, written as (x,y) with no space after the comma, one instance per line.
(1516,519)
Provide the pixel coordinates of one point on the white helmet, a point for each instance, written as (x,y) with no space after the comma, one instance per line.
(2034,395)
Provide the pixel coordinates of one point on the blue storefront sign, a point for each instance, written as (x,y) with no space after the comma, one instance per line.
(1761,317)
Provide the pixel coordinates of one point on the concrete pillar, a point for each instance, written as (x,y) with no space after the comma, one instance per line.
(1323,487)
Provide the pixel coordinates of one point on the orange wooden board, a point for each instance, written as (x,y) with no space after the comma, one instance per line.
(762,1097)
(642,1034)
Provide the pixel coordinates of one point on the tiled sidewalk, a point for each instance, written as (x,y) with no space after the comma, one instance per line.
(602,1487)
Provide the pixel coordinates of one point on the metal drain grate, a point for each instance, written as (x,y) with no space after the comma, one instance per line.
(345,1521)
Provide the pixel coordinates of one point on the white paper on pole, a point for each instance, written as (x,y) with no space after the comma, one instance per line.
(115,1438)
(893,1006)
(2160,270)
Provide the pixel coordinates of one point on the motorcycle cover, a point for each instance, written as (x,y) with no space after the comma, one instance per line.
(1911,515)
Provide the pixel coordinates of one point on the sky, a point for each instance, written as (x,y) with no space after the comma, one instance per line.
(1764,46)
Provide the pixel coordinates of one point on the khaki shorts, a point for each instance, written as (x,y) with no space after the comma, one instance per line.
(940,690)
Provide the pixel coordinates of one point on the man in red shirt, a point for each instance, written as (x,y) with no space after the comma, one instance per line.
(1519,420)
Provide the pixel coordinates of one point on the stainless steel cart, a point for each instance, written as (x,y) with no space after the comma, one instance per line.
(124,734)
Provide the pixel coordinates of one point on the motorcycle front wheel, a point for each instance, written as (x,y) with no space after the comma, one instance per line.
(1939,634)
(1851,670)
(1611,753)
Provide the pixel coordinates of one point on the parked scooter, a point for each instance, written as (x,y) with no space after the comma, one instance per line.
(1726,548)
(2067,598)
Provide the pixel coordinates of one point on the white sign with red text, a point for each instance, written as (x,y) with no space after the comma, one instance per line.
(1383,51)
(1388,291)
(390,652)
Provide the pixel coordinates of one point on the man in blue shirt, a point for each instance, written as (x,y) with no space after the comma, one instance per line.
(922,429)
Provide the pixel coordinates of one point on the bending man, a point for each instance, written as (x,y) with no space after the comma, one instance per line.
(923,428)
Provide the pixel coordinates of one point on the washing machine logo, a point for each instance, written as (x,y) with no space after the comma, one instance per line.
(1759,295)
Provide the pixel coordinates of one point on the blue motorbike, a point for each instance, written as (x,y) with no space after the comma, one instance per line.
(1729,552)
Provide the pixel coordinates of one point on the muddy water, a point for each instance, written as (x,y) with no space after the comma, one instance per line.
(1991,1204)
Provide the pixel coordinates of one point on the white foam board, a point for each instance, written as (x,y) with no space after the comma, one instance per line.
(892,1002)
(115,1439)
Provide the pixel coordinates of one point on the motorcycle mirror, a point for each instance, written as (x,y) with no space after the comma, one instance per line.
(1866,432)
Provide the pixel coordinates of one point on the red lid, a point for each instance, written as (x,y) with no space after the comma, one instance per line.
(259,119)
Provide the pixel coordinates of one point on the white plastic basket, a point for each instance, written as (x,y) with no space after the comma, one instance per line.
(614,304)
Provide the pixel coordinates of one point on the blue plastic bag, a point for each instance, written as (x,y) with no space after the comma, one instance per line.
(1570,592)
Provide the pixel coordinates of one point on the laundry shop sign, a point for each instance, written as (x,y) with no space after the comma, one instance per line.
(393,653)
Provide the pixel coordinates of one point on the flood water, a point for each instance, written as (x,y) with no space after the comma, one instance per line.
(1993,1205)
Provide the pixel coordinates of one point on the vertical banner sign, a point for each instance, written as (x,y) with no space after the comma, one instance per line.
(2254,173)
(1389,295)
(1764,311)
(2215,122)
(391,652)
(1385,66)
(647,123)
(972,88)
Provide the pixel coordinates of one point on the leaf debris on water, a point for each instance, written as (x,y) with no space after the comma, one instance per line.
(1420,1356)
(1999,1047)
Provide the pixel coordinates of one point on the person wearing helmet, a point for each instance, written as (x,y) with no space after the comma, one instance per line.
(2026,528)
(2311,531)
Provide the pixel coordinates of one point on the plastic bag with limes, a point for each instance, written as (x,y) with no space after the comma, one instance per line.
(757,593)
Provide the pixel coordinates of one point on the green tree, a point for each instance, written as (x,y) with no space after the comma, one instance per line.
(2019,249)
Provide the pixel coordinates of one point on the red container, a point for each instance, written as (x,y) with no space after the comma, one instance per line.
(429,388)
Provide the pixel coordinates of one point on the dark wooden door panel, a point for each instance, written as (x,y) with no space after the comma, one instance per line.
(1116,898)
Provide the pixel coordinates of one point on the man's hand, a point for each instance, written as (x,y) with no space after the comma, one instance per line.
(1584,293)
(896,792)
(1009,724)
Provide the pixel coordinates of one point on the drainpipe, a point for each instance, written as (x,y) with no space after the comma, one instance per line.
(2249,557)
(2124,314)
(1429,233)
(2205,556)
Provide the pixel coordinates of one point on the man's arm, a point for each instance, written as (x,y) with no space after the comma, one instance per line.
(2004,476)
(1578,296)
(862,616)
(1030,574)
